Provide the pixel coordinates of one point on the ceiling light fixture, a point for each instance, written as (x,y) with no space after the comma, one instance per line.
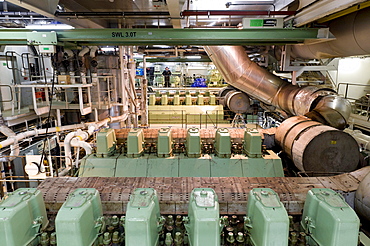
(107,49)
(193,57)
(49,27)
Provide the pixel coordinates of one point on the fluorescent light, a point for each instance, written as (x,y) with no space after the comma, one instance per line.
(193,57)
(49,26)
(108,49)
(161,46)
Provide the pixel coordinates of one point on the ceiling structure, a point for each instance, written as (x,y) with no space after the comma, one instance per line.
(182,14)
(167,13)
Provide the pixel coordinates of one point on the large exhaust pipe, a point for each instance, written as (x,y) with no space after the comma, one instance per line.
(352,38)
(320,104)
(301,140)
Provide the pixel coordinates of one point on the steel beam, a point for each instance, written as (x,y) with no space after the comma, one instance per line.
(174,8)
(186,36)
(22,37)
(321,9)
(161,36)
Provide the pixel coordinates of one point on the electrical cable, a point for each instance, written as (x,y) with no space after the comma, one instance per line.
(43,154)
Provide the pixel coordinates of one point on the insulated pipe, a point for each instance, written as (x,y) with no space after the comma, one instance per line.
(78,143)
(75,142)
(67,143)
(84,51)
(240,72)
(69,52)
(82,136)
(93,51)
(23,135)
(352,38)
(316,147)
(13,140)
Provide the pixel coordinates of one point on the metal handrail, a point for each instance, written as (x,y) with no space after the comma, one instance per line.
(347,88)
(11,93)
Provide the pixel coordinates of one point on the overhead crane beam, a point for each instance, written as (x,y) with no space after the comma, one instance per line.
(252,36)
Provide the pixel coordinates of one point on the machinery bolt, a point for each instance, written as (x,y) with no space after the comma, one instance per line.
(325,193)
(226,220)
(203,193)
(23,193)
(240,237)
(110,229)
(229,229)
(143,192)
(291,223)
(115,221)
(122,220)
(169,223)
(106,238)
(44,239)
(234,220)
(230,237)
(293,239)
(178,221)
(264,193)
(115,237)
(168,241)
(170,220)
(302,239)
(83,192)
(178,239)
(53,238)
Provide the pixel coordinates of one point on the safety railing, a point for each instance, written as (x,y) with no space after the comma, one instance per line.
(347,87)
(360,106)
(12,178)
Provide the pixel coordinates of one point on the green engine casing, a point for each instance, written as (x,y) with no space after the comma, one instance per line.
(223,143)
(77,220)
(329,219)
(105,142)
(142,218)
(267,218)
(204,218)
(22,215)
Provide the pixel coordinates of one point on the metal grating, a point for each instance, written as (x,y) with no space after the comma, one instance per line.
(174,192)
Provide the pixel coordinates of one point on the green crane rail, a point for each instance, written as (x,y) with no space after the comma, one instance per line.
(252,36)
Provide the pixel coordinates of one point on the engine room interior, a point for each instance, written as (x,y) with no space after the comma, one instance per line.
(184,123)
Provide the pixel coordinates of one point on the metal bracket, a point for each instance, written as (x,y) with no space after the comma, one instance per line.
(37,38)
(298,70)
